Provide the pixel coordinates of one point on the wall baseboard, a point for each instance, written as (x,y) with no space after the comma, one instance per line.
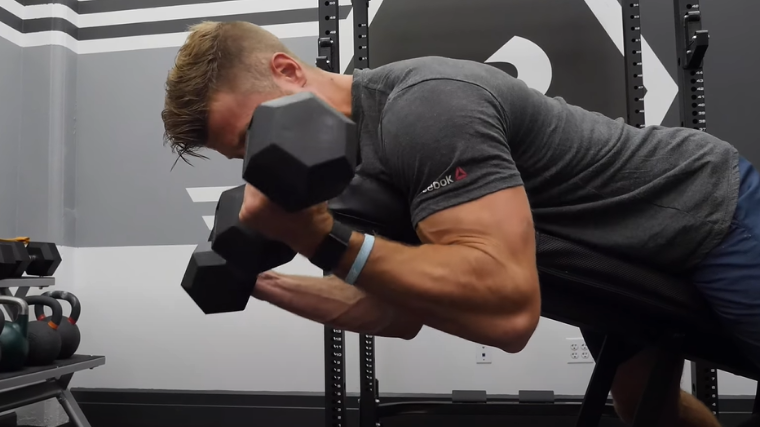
(180,408)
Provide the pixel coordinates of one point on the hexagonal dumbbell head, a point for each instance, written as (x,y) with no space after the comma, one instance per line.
(300,151)
(246,251)
(22,257)
(7,261)
(213,286)
(45,258)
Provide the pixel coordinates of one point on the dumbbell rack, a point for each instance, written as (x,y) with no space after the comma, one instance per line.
(35,384)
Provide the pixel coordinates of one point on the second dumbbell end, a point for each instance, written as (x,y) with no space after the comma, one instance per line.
(213,285)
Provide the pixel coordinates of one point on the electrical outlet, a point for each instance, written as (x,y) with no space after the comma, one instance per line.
(483,357)
(577,352)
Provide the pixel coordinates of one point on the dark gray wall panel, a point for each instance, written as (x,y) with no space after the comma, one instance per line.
(127,193)
(10,113)
(588,70)
(47,141)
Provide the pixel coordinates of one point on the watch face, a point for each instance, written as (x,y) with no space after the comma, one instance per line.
(331,250)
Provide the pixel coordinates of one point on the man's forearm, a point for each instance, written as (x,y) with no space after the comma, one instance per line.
(461,289)
(330,301)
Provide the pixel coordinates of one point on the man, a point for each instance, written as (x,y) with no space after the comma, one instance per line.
(481,160)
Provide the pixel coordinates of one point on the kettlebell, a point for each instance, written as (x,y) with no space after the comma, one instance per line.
(44,339)
(68,330)
(13,342)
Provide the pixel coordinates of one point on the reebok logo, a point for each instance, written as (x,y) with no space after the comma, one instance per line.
(459,174)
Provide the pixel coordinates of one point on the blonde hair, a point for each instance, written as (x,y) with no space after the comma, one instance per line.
(214,57)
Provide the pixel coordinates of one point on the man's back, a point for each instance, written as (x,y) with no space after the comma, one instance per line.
(664,196)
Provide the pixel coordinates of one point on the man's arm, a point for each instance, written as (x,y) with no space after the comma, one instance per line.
(475,276)
(446,147)
(330,301)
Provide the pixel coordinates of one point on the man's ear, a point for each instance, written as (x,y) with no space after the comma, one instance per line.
(288,70)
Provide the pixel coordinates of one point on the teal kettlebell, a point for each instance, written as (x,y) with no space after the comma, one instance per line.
(13,338)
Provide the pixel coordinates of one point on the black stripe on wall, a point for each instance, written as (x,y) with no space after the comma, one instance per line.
(98,6)
(180,25)
(72,4)
(11,20)
(49,24)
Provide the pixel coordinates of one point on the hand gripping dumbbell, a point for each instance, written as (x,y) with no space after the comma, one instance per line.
(222,272)
(300,152)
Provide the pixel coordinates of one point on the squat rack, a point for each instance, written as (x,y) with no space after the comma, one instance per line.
(691,46)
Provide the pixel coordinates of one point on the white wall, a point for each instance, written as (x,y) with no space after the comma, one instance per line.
(154,337)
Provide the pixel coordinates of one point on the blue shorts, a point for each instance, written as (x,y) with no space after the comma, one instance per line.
(729,276)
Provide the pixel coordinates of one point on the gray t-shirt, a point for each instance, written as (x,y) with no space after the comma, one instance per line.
(445,132)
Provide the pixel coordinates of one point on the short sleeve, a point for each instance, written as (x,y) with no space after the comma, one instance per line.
(444,143)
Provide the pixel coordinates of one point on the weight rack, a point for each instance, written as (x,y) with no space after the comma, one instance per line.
(691,42)
(691,45)
(37,383)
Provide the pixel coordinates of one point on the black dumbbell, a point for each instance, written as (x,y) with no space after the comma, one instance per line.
(245,250)
(45,258)
(34,258)
(300,151)
(222,273)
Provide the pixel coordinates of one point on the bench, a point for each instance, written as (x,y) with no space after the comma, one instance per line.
(584,288)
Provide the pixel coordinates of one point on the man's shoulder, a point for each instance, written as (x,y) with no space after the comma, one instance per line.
(434,71)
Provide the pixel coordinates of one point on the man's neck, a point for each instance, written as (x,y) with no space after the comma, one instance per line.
(335,89)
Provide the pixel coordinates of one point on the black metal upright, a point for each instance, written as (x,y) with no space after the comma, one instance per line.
(691,46)
(634,69)
(328,59)
(368,393)
(361,33)
(335,378)
(328,42)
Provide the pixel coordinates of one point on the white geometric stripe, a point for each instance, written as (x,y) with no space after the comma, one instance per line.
(120,44)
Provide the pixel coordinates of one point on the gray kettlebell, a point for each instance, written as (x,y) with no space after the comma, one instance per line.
(43,336)
(68,329)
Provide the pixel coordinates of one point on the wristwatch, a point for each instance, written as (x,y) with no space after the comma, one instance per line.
(331,250)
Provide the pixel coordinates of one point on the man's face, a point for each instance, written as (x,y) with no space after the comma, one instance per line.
(229,116)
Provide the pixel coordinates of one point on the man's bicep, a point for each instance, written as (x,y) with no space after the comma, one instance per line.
(499,223)
(446,144)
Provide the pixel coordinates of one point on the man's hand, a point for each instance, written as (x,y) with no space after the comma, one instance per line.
(303,230)
(330,301)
